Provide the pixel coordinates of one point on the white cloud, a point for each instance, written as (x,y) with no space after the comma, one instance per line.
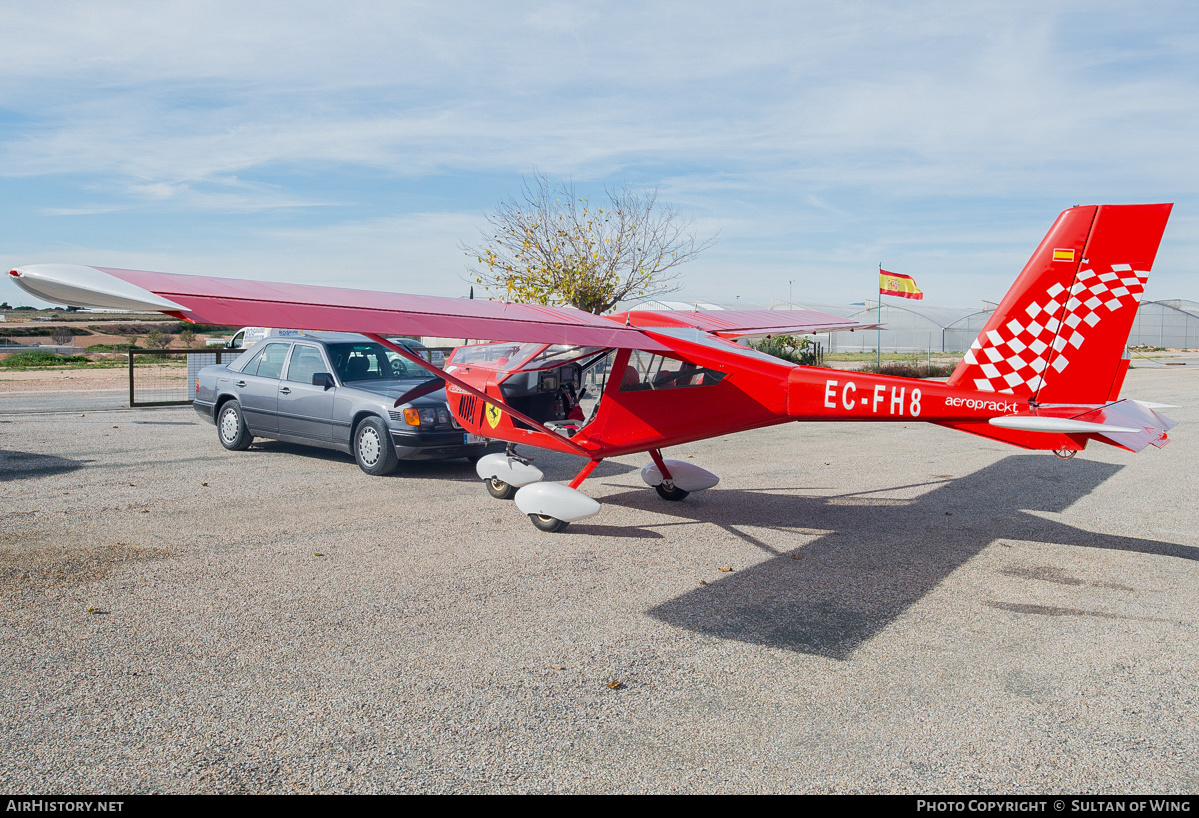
(813,137)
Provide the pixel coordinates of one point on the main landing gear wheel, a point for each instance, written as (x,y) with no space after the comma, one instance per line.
(672,493)
(372,448)
(500,490)
(231,428)
(546,523)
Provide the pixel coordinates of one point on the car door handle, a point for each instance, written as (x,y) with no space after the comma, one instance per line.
(285,391)
(240,384)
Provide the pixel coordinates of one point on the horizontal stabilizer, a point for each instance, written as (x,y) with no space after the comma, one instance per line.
(1149,427)
(1128,424)
(1035,423)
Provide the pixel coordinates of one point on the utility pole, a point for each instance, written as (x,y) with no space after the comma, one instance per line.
(878,352)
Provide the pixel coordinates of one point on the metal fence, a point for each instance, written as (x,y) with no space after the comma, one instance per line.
(167,377)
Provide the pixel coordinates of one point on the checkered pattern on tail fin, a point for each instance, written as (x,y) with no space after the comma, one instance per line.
(1017,357)
(1059,333)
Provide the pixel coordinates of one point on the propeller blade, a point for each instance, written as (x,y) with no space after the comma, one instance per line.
(419,391)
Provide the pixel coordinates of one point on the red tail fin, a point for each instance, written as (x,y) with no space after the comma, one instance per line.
(1059,334)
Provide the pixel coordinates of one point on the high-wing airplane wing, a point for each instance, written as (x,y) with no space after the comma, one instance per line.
(237,302)
(743,323)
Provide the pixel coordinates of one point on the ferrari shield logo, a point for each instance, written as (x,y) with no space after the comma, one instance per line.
(493,415)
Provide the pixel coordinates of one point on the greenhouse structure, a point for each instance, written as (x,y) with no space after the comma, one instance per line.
(912,326)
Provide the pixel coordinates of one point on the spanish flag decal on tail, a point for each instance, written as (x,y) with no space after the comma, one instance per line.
(1063,255)
(897,284)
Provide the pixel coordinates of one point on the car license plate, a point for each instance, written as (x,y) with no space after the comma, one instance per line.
(470,439)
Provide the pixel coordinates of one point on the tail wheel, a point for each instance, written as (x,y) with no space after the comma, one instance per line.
(672,493)
(1064,454)
(500,490)
(547,523)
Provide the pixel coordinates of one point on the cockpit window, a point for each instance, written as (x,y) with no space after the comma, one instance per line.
(696,336)
(369,362)
(646,370)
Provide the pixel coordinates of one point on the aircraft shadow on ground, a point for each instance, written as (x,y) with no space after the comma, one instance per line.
(27,465)
(864,561)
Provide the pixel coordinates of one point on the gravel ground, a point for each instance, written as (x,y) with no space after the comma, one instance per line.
(908,609)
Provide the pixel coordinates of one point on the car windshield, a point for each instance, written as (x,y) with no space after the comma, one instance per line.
(369,362)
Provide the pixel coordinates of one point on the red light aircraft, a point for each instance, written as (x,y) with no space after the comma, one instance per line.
(1044,373)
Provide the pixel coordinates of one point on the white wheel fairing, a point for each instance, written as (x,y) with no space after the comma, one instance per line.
(508,470)
(686,476)
(555,500)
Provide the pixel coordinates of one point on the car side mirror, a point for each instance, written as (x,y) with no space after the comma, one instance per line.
(323,379)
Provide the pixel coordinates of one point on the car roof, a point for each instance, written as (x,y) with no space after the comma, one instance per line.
(333,337)
(344,338)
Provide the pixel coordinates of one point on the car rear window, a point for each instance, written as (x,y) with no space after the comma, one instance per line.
(271,362)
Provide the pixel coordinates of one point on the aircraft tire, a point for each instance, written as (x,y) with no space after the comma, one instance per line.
(546,523)
(670,494)
(499,489)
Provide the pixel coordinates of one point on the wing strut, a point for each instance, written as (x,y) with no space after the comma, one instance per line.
(465,387)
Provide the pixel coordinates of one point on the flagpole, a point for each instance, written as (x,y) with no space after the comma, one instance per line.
(878,352)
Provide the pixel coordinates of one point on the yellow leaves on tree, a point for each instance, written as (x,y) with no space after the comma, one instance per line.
(550,247)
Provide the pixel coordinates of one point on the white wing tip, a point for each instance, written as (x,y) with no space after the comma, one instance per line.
(80,286)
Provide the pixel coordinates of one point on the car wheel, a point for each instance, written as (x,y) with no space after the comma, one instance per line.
(231,427)
(546,523)
(671,493)
(373,449)
(500,490)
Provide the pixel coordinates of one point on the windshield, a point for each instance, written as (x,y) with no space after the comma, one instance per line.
(696,336)
(522,357)
(369,362)
(487,355)
(550,356)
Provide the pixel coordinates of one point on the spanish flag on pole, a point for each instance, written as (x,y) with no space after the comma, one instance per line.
(897,284)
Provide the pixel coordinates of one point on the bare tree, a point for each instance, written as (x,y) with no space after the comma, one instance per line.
(551,247)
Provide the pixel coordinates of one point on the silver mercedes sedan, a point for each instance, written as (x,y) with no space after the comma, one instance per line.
(336,391)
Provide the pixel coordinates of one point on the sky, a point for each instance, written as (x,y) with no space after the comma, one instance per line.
(364,143)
